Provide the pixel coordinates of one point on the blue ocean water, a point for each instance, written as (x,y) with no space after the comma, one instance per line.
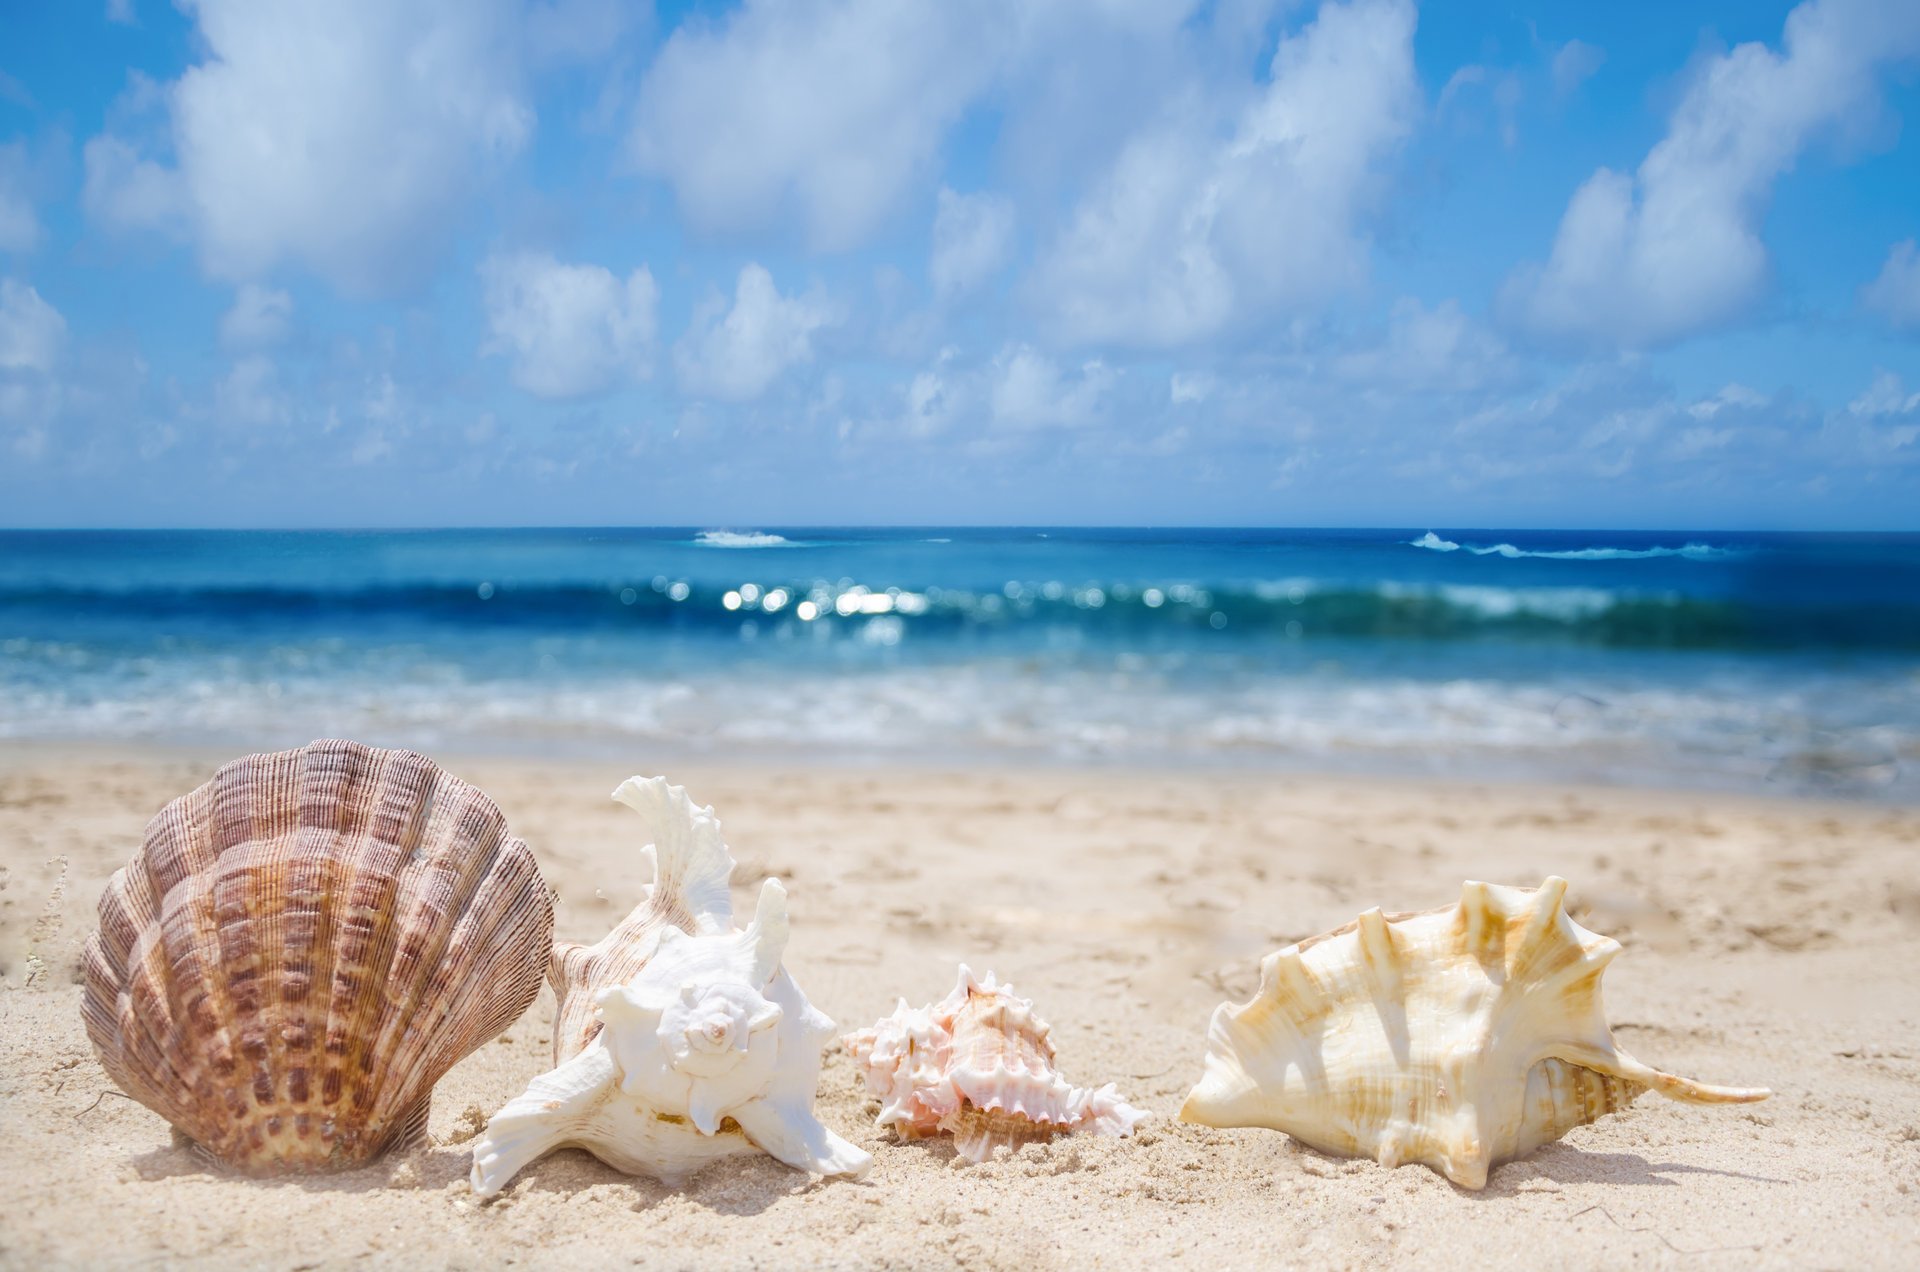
(1761,662)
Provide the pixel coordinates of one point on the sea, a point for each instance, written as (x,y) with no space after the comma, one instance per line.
(1755,662)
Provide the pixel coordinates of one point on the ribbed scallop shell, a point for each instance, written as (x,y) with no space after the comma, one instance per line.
(1460,1038)
(304,945)
(978,1065)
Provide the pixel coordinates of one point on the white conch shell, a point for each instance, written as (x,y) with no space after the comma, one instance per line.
(699,1046)
(1461,1038)
(979,1065)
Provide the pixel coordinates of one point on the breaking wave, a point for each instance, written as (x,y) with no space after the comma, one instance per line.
(741,539)
(1691,551)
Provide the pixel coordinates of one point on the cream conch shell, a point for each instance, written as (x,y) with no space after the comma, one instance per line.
(979,1065)
(678,1041)
(1460,1038)
(303,946)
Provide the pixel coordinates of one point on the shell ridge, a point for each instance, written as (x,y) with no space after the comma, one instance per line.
(363,949)
(409,1026)
(693,870)
(183,945)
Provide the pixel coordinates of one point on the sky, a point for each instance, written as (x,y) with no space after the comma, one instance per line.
(836,262)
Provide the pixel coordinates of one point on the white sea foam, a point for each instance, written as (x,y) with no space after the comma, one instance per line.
(1691,551)
(741,539)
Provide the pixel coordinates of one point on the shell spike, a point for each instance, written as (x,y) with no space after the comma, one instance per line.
(691,863)
(766,936)
(1620,1064)
(1543,912)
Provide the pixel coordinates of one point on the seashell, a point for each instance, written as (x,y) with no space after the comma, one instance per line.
(301,947)
(979,1065)
(1460,1038)
(678,1041)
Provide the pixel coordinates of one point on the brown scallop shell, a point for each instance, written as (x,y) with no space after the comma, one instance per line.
(304,945)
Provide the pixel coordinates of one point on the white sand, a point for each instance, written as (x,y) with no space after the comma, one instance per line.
(1767,943)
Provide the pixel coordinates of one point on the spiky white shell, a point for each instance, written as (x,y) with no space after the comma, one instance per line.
(1460,1038)
(678,1045)
(978,1064)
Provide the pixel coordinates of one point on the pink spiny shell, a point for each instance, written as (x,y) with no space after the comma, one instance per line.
(978,1065)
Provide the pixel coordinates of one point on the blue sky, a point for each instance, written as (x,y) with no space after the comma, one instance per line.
(873,261)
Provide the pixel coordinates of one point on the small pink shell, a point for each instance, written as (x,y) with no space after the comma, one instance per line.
(979,1065)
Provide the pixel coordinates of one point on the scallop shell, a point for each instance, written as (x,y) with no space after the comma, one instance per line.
(979,1065)
(679,1041)
(304,945)
(1460,1038)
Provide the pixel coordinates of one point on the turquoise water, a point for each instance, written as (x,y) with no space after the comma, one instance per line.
(1749,661)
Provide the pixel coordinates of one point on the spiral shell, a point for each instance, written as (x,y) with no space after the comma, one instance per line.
(1461,1038)
(679,1040)
(301,947)
(979,1065)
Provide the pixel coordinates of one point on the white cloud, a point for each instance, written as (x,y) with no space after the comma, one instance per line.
(259,316)
(1885,418)
(1887,395)
(338,137)
(734,353)
(19,226)
(1732,396)
(831,108)
(1029,391)
(1896,292)
(31,330)
(569,329)
(972,237)
(1436,350)
(250,394)
(1575,63)
(121,12)
(1189,388)
(125,191)
(1182,239)
(1674,249)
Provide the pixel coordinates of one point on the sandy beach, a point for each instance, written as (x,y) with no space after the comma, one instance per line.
(1767,943)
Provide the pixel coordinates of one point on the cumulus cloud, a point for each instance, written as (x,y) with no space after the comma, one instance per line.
(1887,395)
(972,237)
(340,138)
(250,395)
(259,316)
(734,353)
(31,330)
(1675,248)
(1182,238)
(1029,391)
(1895,294)
(1438,350)
(568,329)
(828,109)
(1575,63)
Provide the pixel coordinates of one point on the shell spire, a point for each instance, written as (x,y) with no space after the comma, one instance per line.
(302,946)
(691,869)
(979,1065)
(1461,1037)
(679,1040)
